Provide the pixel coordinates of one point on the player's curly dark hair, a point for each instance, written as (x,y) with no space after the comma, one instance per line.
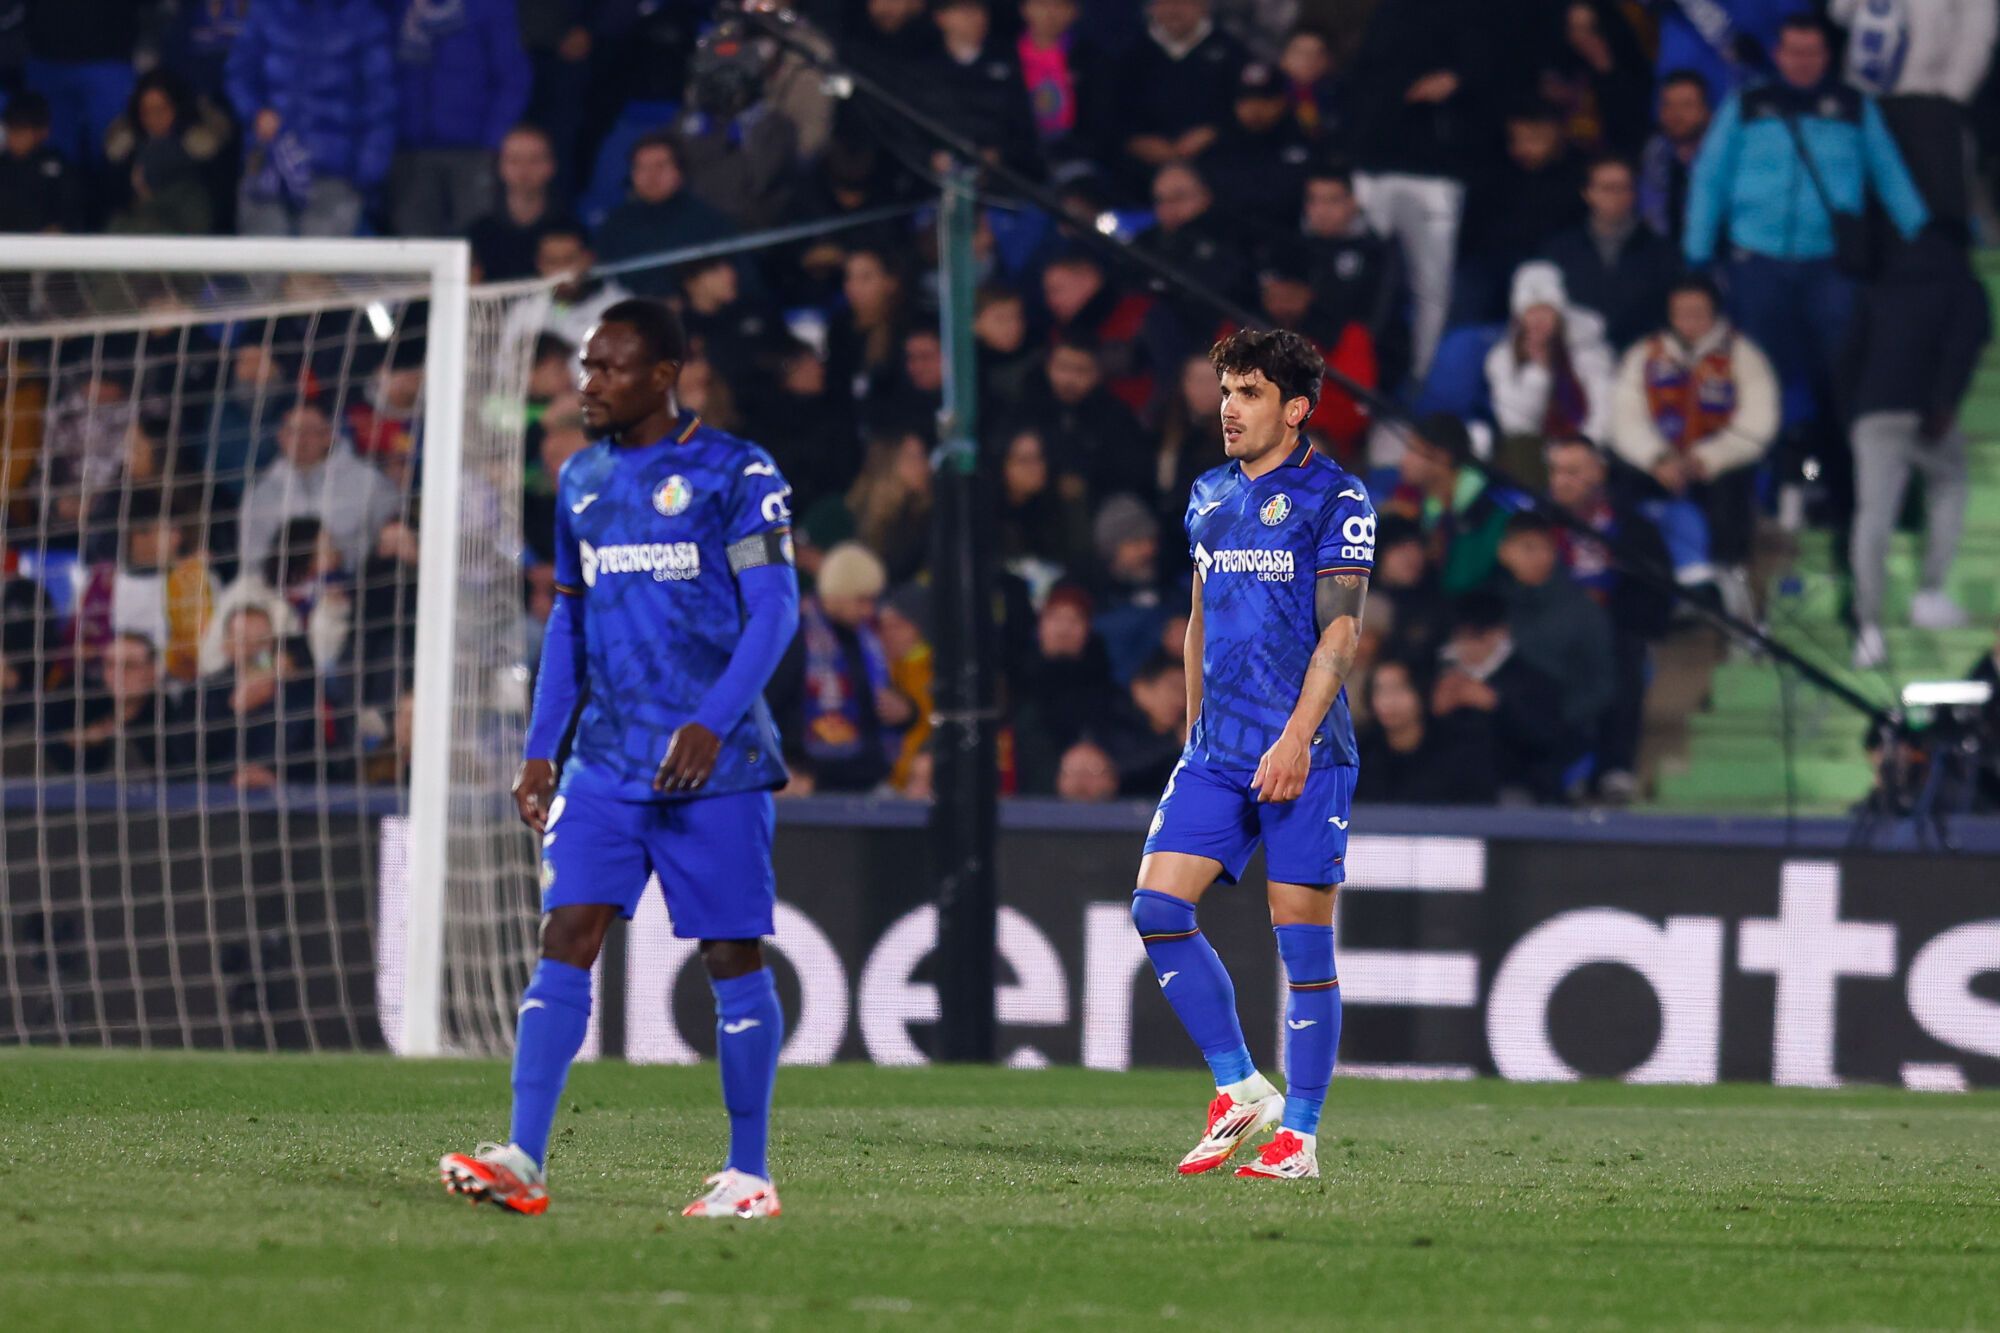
(656,323)
(1287,360)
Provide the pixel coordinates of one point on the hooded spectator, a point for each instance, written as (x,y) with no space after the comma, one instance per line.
(1552,374)
(1461,513)
(314,83)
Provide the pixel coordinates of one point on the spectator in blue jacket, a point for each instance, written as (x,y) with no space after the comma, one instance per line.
(462,81)
(1786,290)
(314,82)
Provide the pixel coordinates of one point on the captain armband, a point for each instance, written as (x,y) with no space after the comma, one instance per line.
(761,548)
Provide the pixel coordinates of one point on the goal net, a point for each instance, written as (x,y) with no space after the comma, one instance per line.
(266,656)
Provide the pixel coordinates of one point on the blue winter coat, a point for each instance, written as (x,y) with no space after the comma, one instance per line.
(462,80)
(1750,178)
(328,68)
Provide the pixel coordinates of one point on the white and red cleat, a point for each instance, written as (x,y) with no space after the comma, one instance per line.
(499,1174)
(1230,1122)
(735,1194)
(1288,1156)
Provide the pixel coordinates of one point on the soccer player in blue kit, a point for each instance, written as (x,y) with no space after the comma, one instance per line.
(1283,542)
(676,598)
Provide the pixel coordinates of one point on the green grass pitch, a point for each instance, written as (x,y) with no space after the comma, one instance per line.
(223,1192)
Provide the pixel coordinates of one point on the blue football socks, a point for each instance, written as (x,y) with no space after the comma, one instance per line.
(555,1014)
(1312,1022)
(1194,981)
(749,1029)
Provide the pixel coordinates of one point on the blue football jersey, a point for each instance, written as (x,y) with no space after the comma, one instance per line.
(1260,548)
(643,535)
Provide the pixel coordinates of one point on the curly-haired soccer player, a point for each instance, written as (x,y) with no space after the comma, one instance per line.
(1283,541)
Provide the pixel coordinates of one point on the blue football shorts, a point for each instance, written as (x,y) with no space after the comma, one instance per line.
(1214,812)
(712,854)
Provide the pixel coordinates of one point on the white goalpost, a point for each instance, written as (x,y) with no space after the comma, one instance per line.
(121,358)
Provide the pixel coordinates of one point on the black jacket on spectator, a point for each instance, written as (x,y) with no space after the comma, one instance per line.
(1535,744)
(1512,213)
(385,628)
(1259,176)
(1919,332)
(1361,279)
(1157,94)
(298,735)
(1211,248)
(1629,289)
(1420,622)
(1453,764)
(1097,439)
(732,339)
(811,437)
(38,192)
(986,101)
(1056,702)
(505,249)
(1405,41)
(1561,630)
(638,228)
(156,745)
(1144,758)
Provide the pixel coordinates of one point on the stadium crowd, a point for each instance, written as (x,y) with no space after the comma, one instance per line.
(1681,268)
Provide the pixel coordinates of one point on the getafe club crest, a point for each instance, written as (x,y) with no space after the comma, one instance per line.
(1276,510)
(673,496)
